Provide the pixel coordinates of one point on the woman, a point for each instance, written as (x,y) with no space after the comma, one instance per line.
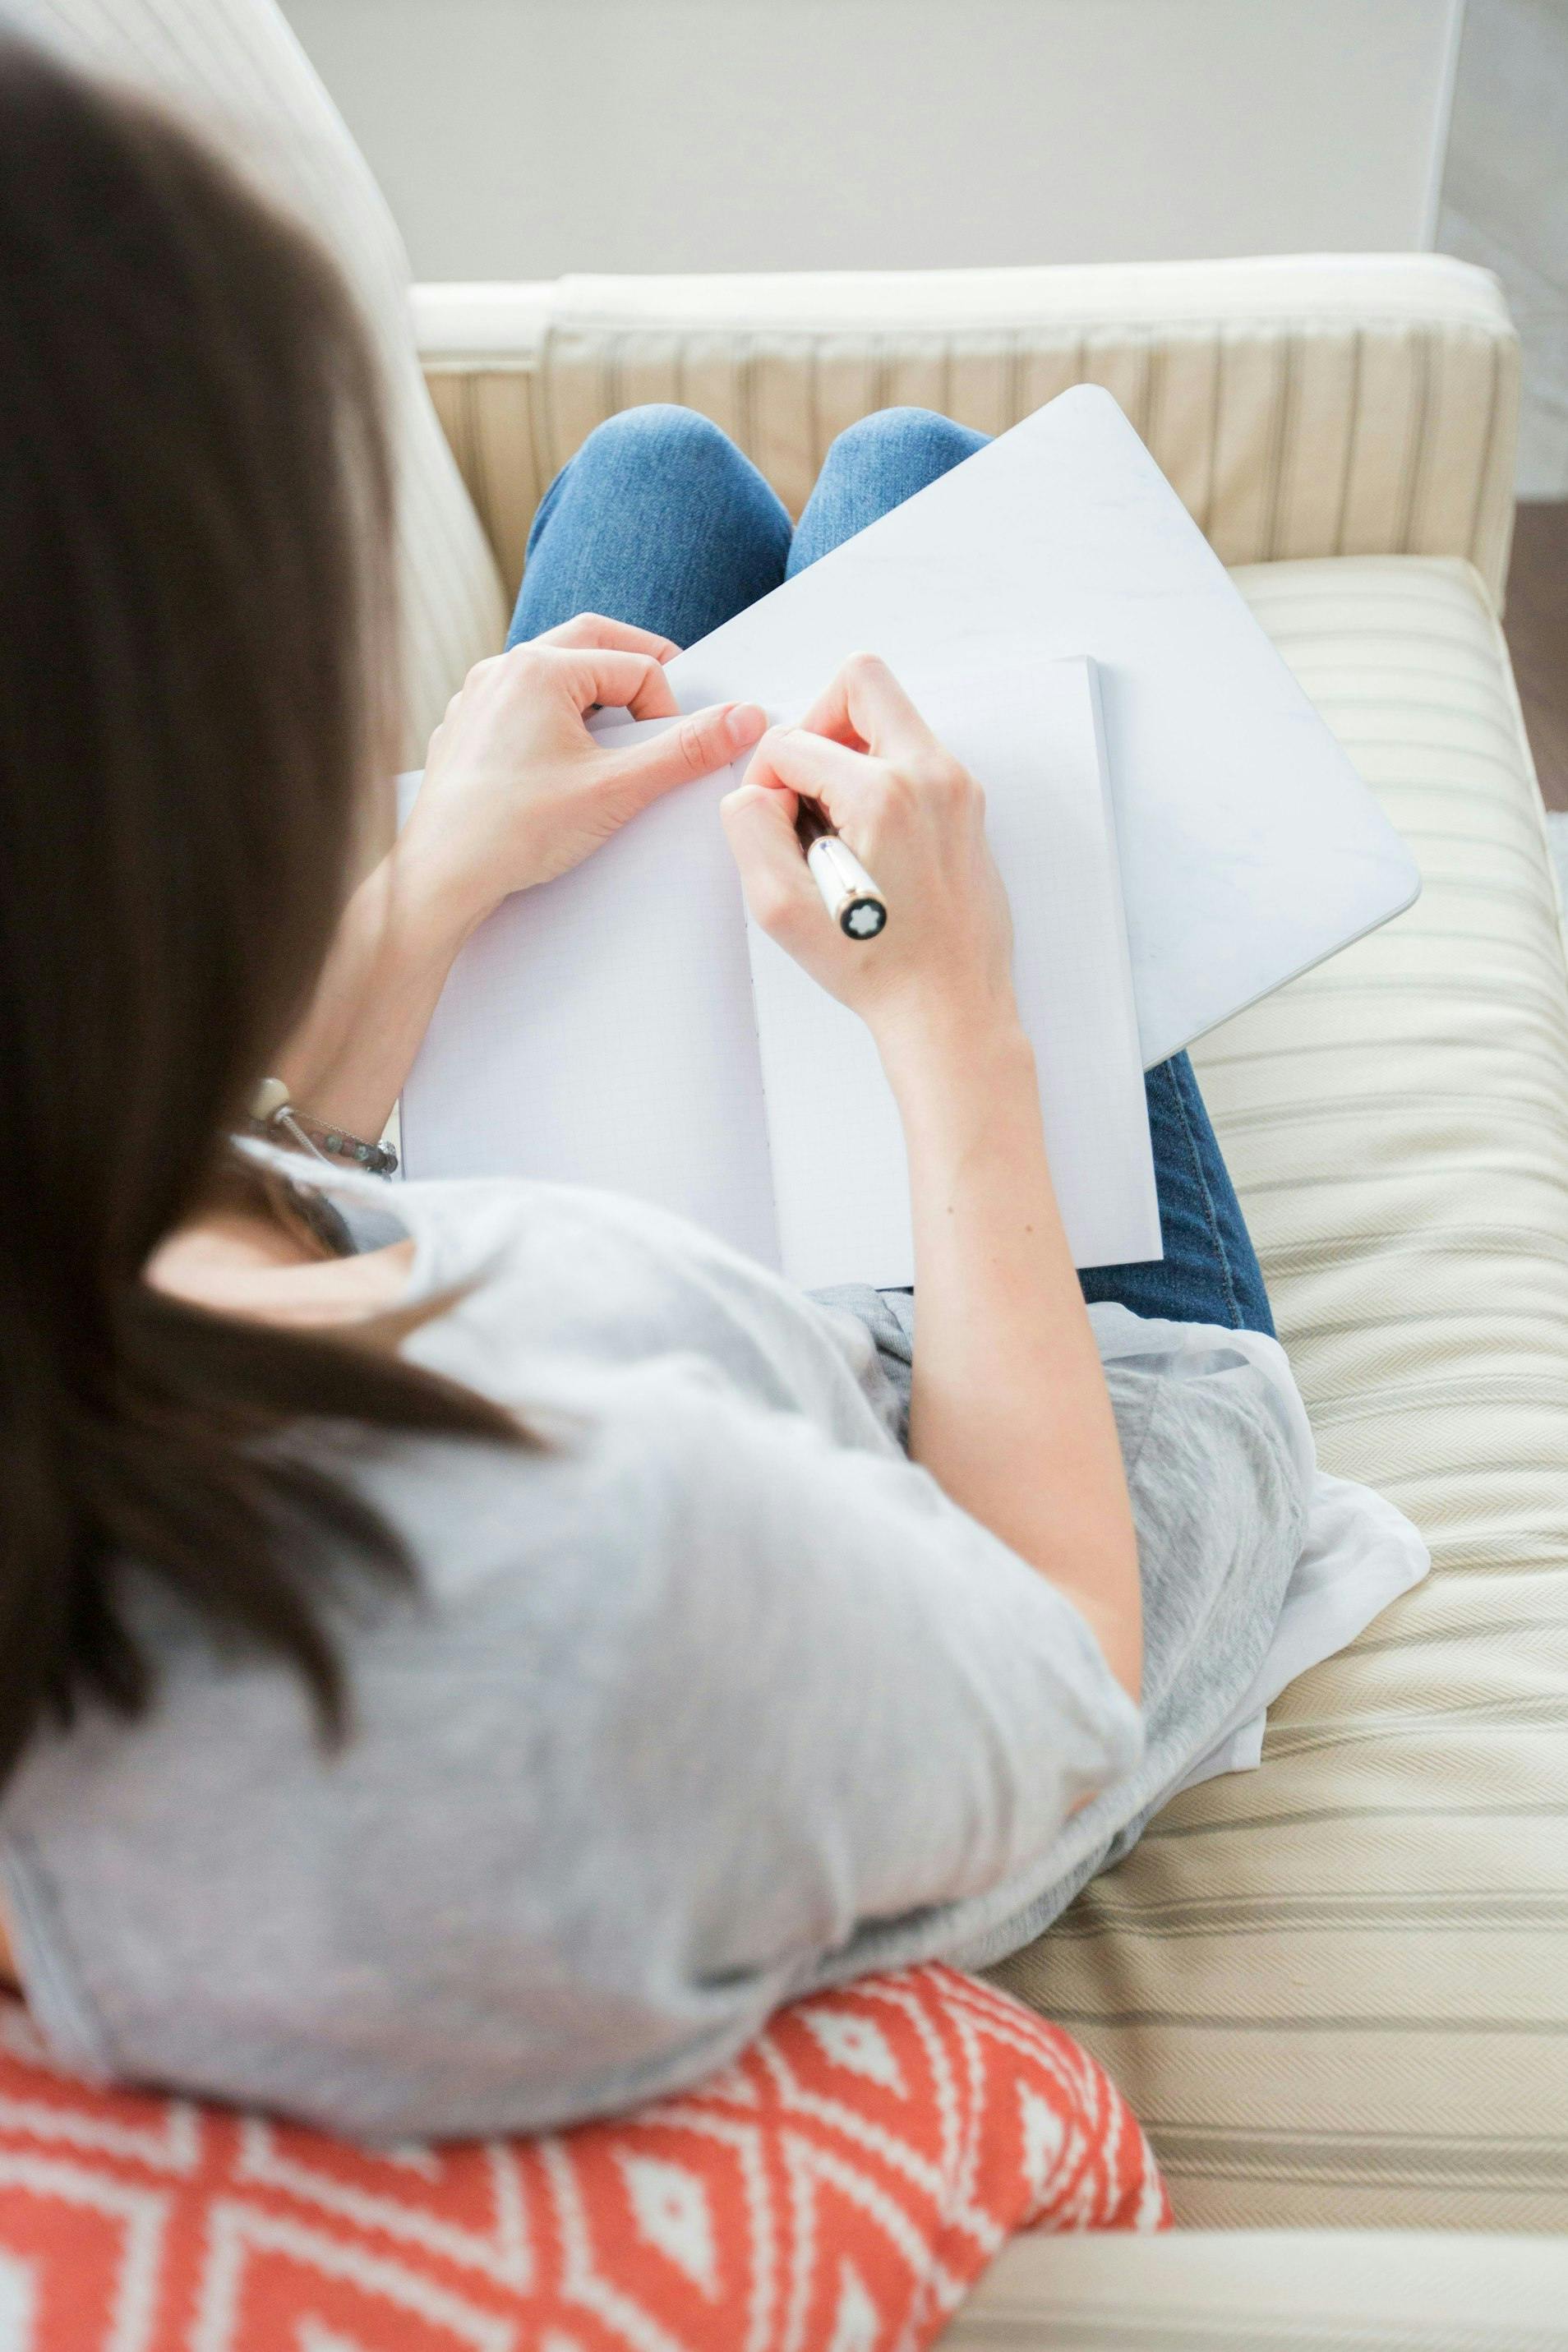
(471,1650)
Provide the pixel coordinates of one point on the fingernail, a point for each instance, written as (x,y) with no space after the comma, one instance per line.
(744,724)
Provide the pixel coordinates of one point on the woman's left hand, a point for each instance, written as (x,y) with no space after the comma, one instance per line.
(517,791)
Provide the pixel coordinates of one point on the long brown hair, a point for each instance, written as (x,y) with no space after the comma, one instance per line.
(194,647)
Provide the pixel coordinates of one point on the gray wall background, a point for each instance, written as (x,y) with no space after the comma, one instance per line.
(524,138)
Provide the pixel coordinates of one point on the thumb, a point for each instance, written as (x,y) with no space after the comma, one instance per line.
(759,824)
(687,749)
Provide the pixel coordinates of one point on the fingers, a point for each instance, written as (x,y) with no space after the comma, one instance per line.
(619,636)
(866,704)
(636,682)
(845,781)
(705,740)
(759,824)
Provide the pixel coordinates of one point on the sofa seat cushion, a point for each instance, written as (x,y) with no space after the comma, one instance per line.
(1272,2291)
(1336,1989)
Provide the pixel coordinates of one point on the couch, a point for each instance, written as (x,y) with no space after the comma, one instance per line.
(1333,1988)
(1327,1985)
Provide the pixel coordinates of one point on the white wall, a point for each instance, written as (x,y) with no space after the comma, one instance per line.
(1505,204)
(523,138)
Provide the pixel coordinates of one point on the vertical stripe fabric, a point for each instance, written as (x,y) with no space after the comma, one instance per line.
(1350,405)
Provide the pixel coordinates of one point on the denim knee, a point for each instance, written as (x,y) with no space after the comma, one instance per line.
(656,452)
(659,431)
(876,465)
(916,438)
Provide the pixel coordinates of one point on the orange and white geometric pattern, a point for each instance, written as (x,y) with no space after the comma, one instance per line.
(836,2190)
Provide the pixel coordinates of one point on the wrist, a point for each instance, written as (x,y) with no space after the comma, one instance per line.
(435,904)
(939,1046)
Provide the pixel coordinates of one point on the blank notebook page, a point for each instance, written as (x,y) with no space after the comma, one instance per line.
(598,1029)
(1030,732)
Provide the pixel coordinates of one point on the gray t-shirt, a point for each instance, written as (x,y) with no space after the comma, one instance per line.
(716,1698)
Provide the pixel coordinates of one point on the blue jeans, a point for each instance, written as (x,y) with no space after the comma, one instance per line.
(658,519)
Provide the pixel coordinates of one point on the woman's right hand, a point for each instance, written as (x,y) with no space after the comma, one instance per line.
(915,818)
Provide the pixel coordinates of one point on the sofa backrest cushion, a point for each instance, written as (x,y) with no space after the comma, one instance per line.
(235,69)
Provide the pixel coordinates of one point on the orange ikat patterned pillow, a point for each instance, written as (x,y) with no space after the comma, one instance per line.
(840,2186)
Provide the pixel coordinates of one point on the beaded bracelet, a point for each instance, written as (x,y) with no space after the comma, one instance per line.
(273,1114)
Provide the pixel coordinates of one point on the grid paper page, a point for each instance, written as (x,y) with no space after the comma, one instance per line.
(1030,734)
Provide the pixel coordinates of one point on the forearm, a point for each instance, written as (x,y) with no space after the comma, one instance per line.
(347,1062)
(1009,1410)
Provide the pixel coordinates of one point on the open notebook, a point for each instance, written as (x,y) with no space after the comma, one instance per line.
(624,1027)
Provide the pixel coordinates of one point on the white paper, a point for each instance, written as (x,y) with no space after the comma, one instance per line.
(599,1030)
(1249,847)
(1028,732)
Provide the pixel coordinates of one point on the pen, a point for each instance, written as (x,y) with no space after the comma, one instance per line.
(848,893)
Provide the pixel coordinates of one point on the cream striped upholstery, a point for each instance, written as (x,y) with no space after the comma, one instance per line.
(236,67)
(1270,2291)
(1335,1989)
(1302,407)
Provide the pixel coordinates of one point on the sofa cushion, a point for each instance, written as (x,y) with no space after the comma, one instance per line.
(1300,405)
(841,2185)
(1272,2291)
(1335,1987)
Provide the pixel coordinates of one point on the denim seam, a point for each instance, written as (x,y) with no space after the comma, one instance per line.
(1216,1235)
(546,506)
